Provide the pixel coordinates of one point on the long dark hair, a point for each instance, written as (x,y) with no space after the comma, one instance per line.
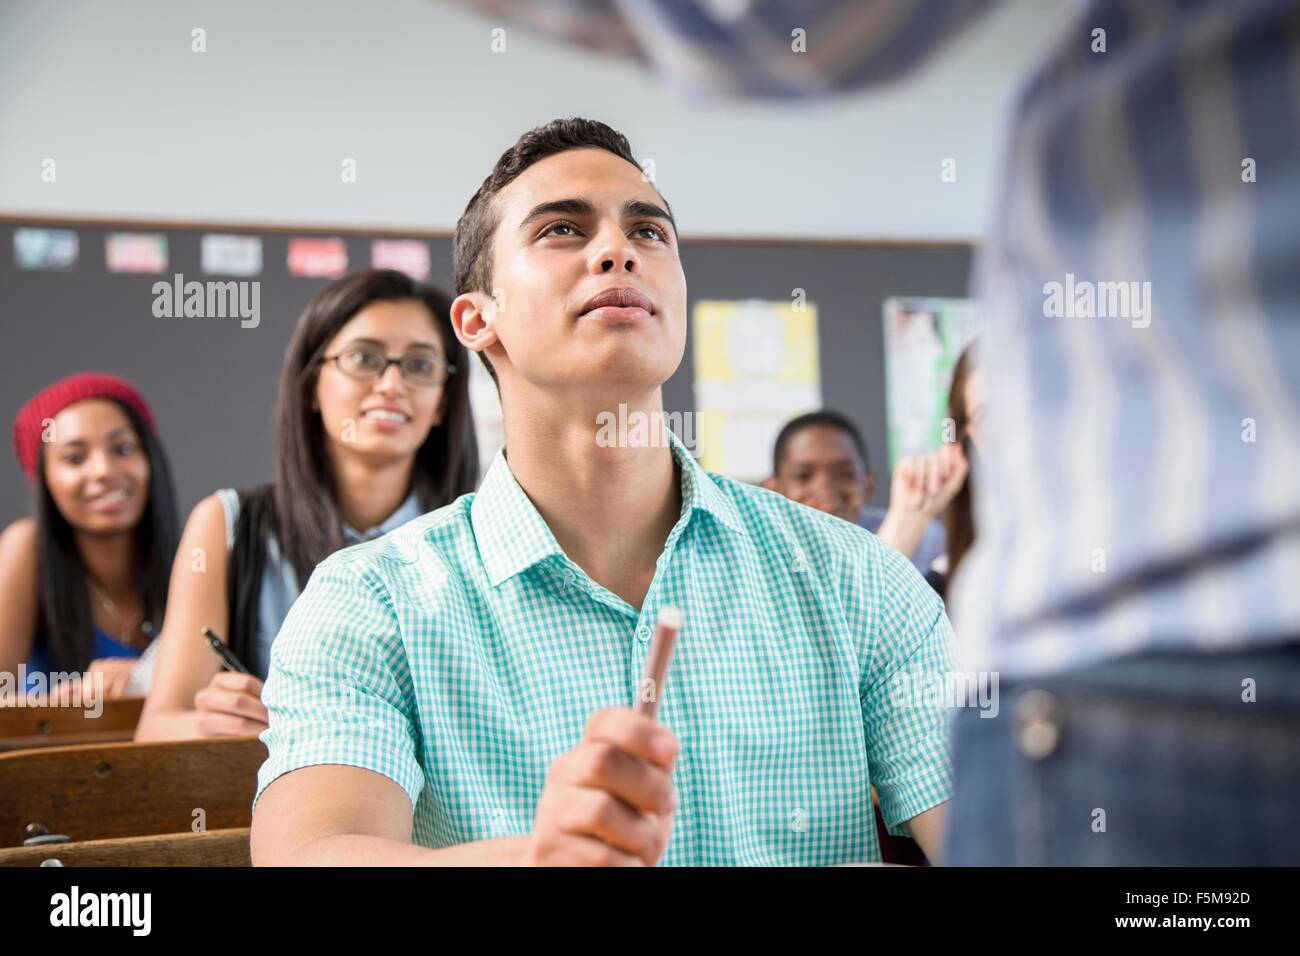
(300,507)
(959,517)
(66,613)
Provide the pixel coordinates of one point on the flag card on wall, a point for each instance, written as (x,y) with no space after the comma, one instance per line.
(45,249)
(318,258)
(136,252)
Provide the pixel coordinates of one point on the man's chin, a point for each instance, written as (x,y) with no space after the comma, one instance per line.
(634,367)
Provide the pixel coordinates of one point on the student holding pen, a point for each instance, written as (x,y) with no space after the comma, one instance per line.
(465,689)
(373,428)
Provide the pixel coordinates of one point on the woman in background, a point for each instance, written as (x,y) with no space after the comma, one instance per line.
(938,484)
(373,428)
(966,408)
(83,583)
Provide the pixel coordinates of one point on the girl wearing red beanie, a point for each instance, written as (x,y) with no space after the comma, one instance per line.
(83,583)
(373,429)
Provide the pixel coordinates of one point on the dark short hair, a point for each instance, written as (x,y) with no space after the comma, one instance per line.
(823,417)
(471,247)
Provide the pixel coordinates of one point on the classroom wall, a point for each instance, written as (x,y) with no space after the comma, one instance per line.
(212,381)
(256,128)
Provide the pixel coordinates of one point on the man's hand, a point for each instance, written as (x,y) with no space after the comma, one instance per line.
(231,706)
(610,800)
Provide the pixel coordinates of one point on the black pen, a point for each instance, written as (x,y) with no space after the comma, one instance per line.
(228,660)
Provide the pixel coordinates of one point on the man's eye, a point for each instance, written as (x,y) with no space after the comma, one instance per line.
(658,234)
(551,229)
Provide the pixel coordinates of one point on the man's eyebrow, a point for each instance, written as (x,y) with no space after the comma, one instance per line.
(573,207)
(635,208)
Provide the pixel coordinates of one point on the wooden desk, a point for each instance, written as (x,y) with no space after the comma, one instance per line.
(52,725)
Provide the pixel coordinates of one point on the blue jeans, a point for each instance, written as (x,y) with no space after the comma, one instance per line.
(1153,761)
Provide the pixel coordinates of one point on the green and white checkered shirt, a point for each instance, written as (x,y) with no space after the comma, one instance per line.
(462,653)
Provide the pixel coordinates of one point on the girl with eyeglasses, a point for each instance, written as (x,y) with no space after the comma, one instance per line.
(373,428)
(83,581)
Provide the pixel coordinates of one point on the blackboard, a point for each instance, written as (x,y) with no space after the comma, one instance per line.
(212,382)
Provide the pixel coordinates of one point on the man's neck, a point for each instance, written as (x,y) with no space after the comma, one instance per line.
(610,507)
(369,493)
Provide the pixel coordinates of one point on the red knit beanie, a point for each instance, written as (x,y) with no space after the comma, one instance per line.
(55,398)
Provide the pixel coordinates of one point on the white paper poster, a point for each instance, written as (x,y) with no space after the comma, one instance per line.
(756,367)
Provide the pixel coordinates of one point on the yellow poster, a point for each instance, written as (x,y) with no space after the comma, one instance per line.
(756,367)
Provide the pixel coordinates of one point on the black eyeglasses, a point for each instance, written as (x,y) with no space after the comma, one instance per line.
(417,368)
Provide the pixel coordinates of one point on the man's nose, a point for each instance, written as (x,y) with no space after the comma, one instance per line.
(823,486)
(613,252)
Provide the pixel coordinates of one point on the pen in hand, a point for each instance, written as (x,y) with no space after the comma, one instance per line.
(228,660)
(657,661)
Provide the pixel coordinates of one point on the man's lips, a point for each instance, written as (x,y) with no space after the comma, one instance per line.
(623,297)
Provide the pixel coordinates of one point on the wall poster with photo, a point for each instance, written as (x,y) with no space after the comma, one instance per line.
(924,337)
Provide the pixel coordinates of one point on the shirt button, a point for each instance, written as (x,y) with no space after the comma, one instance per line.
(1037,724)
(800,563)
(643,633)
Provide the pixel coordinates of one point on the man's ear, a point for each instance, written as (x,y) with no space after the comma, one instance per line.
(869,486)
(471,319)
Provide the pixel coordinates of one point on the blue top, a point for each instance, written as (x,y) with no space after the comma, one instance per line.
(279,581)
(105,646)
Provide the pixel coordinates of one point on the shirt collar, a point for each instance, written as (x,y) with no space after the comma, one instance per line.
(512,536)
(408,510)
(700,492)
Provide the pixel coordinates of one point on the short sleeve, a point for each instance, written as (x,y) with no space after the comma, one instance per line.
(339,688)
(904,693)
